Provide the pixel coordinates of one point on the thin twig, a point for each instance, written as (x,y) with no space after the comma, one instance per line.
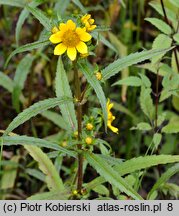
(167,21)
(156,99)
(79,119)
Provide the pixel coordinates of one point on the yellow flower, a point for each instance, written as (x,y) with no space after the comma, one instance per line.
(89,126)
(74,192)
(88,22)
(70,38)
(88,140)
(111,117)
(98,76)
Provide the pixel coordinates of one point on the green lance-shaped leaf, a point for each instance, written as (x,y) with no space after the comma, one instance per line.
(129,81)
(53,180)
(145,80)
(157,139)
(34,110)
(139,163)
(27,47)
(129,60)
(146,102)
(160,42)
(16,3)
(110,175)
(172,126)
(9,174)
(160,24)
(23,16)
(51,195)
(26,140)
(175,2)
(35,173)
(19,79)
(6,82)
(101,38)
(171,15)
(78,3)
(91,78)
(55,118)
(143,126)
(176,37)
(163,178)
(63,89)
(60,7)
(38,14)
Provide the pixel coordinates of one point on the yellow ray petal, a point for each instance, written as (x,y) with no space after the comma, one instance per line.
(82,48)
(60,49)
(80,31)
(71,52)
(71,25)
(54,30)
(92,27)
(91,21)
(114,129)
(56,38)
(62,26)
(85,36)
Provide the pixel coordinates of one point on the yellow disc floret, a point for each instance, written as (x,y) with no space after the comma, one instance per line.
(111,117)
(71,39)
(89,126)
(88,140)
(98,76)
(88,22)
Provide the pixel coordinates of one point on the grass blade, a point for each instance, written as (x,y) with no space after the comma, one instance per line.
(6,82)
(163,178)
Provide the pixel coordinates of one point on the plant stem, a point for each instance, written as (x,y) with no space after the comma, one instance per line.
(176,59)
(164,12)
(79,119)
(166,20)
(156,99)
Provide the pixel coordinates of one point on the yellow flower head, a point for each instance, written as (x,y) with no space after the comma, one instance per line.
(89,126)
(111,117)
(70,38)
(88,22)
(88,140)
(98,76)
(74,192)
